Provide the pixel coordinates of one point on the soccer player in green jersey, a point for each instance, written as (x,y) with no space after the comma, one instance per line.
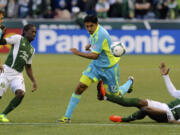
(1,20)
(104,66)
(160,112)
(20,56)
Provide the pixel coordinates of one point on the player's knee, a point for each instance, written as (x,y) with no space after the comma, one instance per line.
(145,109)
(143,103)
(80,88)
(20,93)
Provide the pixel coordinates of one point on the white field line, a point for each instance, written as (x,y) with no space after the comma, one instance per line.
(94,124)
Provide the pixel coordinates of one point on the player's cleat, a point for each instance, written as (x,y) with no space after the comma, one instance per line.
(101,90)
(115,118)
(131,88)
(3,118)
(64,120)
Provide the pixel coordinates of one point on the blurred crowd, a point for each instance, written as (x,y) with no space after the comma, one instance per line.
(68,9)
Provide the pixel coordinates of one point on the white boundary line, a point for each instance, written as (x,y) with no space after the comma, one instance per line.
(94,124)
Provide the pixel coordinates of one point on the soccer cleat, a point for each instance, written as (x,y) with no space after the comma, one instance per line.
(115,118)
(64,120)
(3,118)
(101,90)
(131,88)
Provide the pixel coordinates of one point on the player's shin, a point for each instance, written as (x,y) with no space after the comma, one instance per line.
(128,102)
(13,104)
(135,116)
(125,87)
(72,104)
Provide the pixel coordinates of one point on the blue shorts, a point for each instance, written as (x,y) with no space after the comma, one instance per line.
(109,76)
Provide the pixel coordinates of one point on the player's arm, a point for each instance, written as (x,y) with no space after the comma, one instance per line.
(87,47)
(10,40)
(29,72)
(90,55)
(1,67)
(171,88)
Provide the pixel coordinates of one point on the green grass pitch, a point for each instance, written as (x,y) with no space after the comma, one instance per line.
(57,77)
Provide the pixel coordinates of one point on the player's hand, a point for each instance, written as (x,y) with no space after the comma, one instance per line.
(34,87)
(87,48)
(1,69)
(163,69)
(74,51)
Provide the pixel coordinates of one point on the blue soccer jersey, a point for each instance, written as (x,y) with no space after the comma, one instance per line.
(100,43)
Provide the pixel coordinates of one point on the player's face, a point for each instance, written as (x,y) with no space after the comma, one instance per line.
(91,27)
(1,18)
(31,33)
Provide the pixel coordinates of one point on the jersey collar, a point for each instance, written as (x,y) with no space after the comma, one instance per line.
(95,31)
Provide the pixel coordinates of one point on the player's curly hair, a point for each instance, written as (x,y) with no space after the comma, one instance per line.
(27,27)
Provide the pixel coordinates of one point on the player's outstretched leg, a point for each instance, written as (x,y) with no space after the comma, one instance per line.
(12,105)
(75,98)
(155,114)
(135,116)
(72,104)
(128,102)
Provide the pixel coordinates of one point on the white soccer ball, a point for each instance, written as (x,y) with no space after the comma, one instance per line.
(118,49)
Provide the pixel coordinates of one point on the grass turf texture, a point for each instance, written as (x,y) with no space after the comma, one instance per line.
(57,77)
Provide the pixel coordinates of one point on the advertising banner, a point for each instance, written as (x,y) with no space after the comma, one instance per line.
(137,41)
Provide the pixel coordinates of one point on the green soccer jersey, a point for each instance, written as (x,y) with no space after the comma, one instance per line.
(175,108)
(20,54)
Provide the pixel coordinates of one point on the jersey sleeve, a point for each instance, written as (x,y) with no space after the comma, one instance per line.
(13,39)
(97,48)
(30,59)
(170,87)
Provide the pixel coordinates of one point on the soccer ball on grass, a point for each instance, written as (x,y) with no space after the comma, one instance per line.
(118,49)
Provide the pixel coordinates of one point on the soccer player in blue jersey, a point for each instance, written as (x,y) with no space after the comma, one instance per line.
(160,112)
(104,66)
(1,20)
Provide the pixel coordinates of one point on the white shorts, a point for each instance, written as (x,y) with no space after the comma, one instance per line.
(161,106)
(11,78)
